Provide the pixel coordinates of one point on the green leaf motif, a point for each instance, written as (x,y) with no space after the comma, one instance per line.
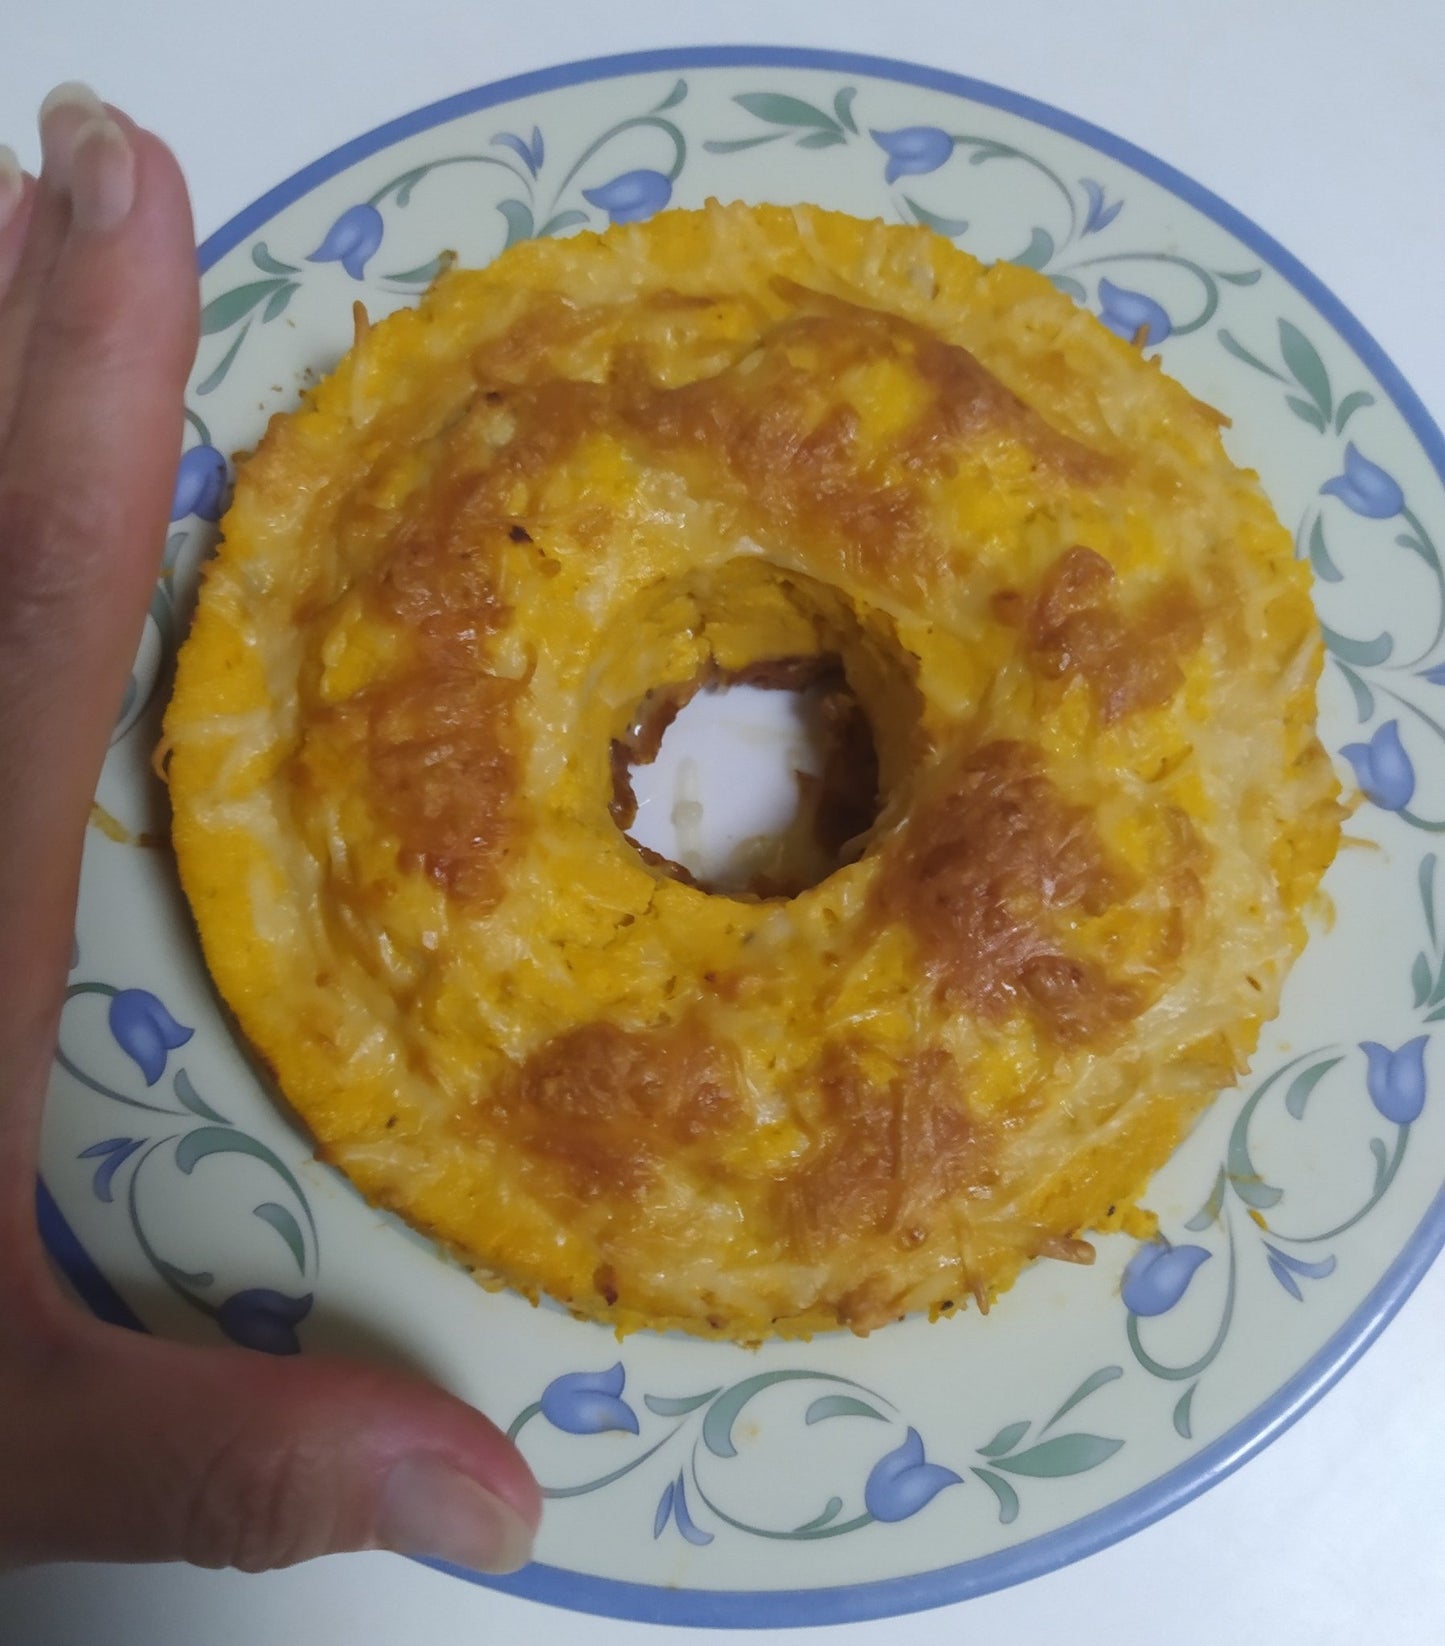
(1306,410)
(1182,1409)
(424,273)
(1349,406)
(286,1226)
(172,550)
(224,311)
(679,1406)
(1304,1083)
(830,1513)
(164,617)
(559,221)
(947,226)
(735,145)
(673,98)
(1305,365)
(1324,566)
(205,1141)
(1364,697)
(1233,346)
(264,261)
(1063,1455)
(198,1145)
(1364,654)
(1382,1162)
(191,1099)
(1091,1385)
(989,150)
(1426,551)
(821,140)
(519,221)
(1420,979)
(1038,251)
(1070,287)
(185,1279)
(1005,1440)
(1008,1498)
(279,300)
(1427,892)
(843,107)
(403,186)
(780,110)
(1209,1212)
(826,1406)
(1248,277)
(1254,1191)
(717,1426)
(218,376)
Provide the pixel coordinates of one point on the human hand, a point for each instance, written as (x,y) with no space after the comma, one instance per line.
(114,1445)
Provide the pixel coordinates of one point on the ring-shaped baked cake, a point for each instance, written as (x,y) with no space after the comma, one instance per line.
(454,586)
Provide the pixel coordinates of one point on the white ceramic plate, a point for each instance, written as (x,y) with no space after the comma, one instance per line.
(839,1479)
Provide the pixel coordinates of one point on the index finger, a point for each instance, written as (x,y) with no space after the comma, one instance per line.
(86,472)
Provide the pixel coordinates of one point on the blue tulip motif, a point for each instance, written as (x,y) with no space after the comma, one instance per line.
(1396,1080)
(902,1482)
(1365,488)
(1127,312)
(200,484)
(351,240)
(912,150)
(1435,676)
(1158,1275)
(1382,768)
(672,1505)
(632,197)
(588,1403)
(264,1319)
(145,1031)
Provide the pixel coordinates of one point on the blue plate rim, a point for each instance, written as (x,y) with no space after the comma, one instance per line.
(611,1597)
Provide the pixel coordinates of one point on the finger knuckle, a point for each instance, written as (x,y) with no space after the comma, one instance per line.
(41,571)
(257,1507)
(90,331)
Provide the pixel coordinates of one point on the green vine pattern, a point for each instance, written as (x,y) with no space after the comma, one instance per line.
(926,175)
(1308,392)
(1082,208)
(1161,1273)
(692,1429)
(528,210)
(259,1316)
(1074,241)
(1360,500)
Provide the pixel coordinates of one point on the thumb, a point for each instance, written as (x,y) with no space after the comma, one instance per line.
(128,1448)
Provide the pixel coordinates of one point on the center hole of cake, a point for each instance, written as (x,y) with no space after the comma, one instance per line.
(760,782)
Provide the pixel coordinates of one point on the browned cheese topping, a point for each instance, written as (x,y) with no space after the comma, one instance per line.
(1069,810)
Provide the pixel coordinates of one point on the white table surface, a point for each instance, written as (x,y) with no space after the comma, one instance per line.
(1324,121)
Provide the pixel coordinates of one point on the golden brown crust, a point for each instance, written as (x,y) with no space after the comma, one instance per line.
(986,873)
(609,1106)
(1075,627)
(887,1158)
(467,584)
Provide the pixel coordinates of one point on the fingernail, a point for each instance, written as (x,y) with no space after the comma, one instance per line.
(69,107)
(12,183)
(429,1509)
(102,176)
